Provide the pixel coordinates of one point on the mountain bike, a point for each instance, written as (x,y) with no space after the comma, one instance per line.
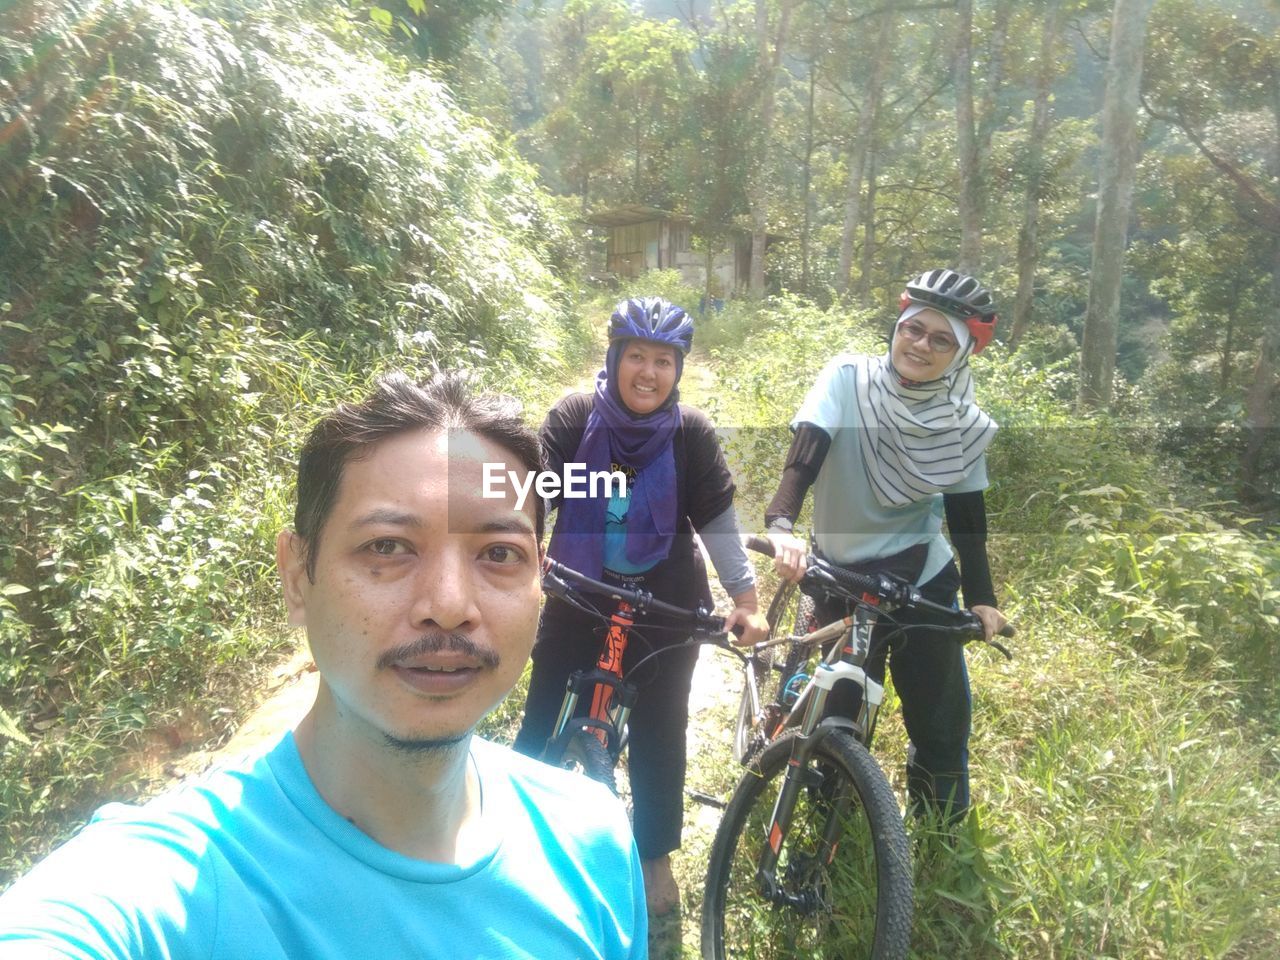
(811,857)
(590,731)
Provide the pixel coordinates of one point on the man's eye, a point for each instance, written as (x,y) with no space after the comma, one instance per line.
(386,547)
(503,553)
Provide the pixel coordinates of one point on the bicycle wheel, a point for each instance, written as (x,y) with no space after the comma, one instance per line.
(855,907)
(581,751)
(790,615)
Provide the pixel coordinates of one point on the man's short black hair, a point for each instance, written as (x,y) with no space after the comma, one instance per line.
(395,405)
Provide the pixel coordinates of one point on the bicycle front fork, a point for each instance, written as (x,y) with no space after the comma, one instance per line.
(611,702)
(799,774)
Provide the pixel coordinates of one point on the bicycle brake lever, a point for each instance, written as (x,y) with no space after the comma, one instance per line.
(999,646)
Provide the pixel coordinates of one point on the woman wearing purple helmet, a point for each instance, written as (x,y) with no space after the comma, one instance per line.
(891,444)
(678,483)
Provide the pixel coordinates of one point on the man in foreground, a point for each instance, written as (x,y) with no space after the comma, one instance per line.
(380,827)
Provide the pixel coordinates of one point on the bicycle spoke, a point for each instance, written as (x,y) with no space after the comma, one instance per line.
(850,903)
(823,923)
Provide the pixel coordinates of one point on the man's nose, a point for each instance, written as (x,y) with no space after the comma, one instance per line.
(446,593)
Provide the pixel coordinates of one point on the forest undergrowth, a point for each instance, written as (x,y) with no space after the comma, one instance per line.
(188,277)
(1126,763)
(218,219)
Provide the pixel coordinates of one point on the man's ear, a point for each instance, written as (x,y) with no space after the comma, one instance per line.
(292,568)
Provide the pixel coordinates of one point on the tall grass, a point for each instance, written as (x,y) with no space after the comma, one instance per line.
(1126,764)
(216,218)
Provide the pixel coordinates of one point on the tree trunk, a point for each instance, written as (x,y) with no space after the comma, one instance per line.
(1028,235)
(967,144)
(858,152)
(1228,348)
(991,116)
(635,175)
(868,235)
(807,176)
(1115,192)
(852,207)
(974,129)
(769,54)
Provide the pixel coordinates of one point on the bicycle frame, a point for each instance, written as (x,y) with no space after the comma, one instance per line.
(612,698)
(845,663)
(850,644)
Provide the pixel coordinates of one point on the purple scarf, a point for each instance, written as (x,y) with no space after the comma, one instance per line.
(615,435)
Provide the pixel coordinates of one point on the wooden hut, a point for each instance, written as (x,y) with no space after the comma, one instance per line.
(642,238)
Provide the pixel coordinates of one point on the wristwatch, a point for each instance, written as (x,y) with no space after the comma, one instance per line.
(781,525)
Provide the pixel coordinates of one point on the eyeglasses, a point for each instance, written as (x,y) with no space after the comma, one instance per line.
(938,342)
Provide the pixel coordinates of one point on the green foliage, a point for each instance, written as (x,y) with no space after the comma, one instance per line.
(1124,763)
(215,218)
(437,32)
(1125,809)
(712,168)
(668,284)
(1216,278)
(613,125)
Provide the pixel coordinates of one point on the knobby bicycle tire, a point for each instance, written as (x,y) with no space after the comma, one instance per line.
(858,907)
(790,614)
(581,751)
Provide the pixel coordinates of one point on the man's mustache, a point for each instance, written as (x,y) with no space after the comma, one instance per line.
(435,643)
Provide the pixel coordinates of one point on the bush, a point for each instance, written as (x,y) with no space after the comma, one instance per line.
(215,217)
(1124,762)
(1079,512)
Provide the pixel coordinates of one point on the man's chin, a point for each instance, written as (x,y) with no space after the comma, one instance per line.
(422,744)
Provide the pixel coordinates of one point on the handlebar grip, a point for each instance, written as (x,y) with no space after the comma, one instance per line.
(753,541)
(1008,631)
(860,582)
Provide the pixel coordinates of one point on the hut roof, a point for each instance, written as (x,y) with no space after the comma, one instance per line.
(631,213)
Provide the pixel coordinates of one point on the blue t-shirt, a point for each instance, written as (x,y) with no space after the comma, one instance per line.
(851,525)
(615,536)
(250,863)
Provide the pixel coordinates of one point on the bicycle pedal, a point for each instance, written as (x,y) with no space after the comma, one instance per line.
(706,799)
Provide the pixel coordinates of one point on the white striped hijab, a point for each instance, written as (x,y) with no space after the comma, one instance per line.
(918,438)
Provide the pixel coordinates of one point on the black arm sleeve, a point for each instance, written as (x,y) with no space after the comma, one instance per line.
(967,524)
(809,446)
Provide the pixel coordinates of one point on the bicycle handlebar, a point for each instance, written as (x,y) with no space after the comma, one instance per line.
(560,581)
(885,588)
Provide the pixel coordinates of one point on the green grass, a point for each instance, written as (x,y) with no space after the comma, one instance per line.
(1126,763)
(1123,809)
(1127,809)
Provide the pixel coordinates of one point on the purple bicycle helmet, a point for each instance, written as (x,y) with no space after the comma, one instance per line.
(654,319)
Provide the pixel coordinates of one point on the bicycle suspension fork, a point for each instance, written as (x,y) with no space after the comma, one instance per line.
(609,716)
(813,729)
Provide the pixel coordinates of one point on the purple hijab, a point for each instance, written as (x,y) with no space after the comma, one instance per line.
(616,435)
